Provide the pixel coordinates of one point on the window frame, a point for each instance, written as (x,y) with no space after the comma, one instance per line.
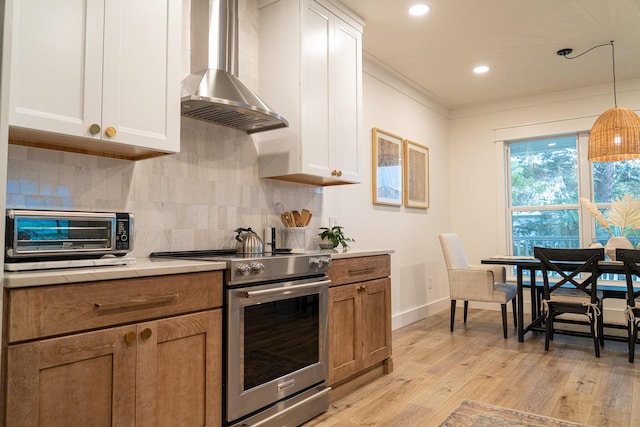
(586,227)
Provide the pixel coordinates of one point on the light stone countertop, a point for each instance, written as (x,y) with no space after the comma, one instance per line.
(143,267)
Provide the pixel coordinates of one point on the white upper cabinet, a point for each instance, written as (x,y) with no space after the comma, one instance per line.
(96,76)
(311,73)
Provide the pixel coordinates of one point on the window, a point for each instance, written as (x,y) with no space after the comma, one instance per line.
(546,177)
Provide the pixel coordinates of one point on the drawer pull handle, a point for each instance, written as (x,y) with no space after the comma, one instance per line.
(130,337)
(362,288)
(362,271)
(136,302)
(146,334)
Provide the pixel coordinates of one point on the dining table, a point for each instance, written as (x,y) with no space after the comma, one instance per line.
(530,264)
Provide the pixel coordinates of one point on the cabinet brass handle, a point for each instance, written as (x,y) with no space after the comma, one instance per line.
(334,172)
(339,173)
(362,271)
(94,129)
(163,299)
(146,334)
(362,288)
(130,337)
(110,132)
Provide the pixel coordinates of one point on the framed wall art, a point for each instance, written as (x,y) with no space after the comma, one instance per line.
(387,168)
(416,175)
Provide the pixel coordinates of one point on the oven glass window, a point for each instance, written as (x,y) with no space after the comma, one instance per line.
(280,337)
(62,234)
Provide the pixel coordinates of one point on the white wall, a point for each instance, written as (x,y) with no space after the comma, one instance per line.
(394,106)
(476,165)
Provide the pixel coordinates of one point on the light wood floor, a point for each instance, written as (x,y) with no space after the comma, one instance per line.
(434,370)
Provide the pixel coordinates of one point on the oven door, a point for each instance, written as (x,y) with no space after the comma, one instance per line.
(276,342)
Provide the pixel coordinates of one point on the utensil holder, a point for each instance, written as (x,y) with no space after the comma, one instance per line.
(295,238)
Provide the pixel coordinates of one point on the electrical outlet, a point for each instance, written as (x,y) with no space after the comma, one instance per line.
(429,282)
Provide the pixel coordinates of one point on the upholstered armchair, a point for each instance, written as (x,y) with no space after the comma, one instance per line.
(483,283)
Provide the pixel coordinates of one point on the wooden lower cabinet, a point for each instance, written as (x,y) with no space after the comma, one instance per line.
(359,323)
(162,372)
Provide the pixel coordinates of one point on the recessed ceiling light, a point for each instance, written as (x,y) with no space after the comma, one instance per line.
(419,9)
(480,69)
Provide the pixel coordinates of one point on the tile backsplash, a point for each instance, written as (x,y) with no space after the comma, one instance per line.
(190,200)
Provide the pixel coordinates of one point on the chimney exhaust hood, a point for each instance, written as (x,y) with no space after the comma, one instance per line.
(213,92)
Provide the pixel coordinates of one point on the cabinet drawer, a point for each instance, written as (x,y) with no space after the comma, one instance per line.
(351,270)
(54,310)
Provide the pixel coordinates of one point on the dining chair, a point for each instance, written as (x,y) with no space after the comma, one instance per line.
(480,283)
(574,294)
(631,258)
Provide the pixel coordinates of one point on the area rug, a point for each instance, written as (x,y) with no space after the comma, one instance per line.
(476,414)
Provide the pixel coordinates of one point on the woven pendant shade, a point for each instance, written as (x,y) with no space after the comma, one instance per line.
(615,136)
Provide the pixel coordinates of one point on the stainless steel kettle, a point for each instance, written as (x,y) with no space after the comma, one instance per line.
(248,242)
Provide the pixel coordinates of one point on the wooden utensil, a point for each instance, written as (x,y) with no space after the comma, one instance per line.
(288,218)
(297,220)
(305,217)
(284,216)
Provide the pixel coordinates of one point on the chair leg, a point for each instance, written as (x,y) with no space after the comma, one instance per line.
(453,312)
(601,328)
(466,308)
(515,316)
(504,320)
(633,335)
(548,331)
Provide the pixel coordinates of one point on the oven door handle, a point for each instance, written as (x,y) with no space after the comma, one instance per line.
(282,289)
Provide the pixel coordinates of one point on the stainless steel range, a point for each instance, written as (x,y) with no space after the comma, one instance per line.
(275,336)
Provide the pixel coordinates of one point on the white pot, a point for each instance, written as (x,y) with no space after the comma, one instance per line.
(616,242)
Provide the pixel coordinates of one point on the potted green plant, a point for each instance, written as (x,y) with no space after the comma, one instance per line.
(334,236)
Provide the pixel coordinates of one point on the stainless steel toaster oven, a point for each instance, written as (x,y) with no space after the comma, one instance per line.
(44,234)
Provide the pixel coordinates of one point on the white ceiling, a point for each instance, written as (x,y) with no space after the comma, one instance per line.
(518,39)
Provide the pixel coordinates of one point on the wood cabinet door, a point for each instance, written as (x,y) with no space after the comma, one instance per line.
(82,380)
(345,348)
(179,371)
(376,321)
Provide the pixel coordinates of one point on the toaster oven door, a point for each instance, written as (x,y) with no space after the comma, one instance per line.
(50,234)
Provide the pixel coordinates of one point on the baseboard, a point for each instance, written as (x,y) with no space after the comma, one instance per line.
(418,313)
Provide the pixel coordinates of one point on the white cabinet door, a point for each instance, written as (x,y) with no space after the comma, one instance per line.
(346,96)
(331,94)
(315,78)
(317,86)
(56,65)
(80,67)
(141,83)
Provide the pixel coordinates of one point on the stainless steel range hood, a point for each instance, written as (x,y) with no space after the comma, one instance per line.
(213,92)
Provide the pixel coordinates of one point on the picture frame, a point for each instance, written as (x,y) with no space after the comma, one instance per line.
(387,168)
(416,175)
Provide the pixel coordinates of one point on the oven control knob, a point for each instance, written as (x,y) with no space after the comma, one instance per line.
(257,268)
(243,270)
(320,263)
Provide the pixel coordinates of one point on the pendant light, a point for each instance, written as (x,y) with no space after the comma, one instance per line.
(615,135)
